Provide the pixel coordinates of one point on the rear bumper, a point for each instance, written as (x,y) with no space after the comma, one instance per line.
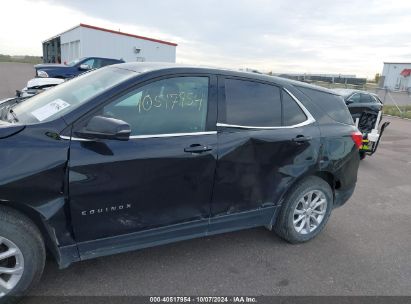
(342,196)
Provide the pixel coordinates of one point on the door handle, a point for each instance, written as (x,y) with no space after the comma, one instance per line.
(301,139)
(197,148)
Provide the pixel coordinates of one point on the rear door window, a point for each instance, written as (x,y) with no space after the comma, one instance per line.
(98,63)
(108,62)
(250,103)
(292,113)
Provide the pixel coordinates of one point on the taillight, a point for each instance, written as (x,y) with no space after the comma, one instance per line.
(357,138)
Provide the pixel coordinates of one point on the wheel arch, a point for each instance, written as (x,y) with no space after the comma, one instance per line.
(46,231)
(330,178)
(327,176)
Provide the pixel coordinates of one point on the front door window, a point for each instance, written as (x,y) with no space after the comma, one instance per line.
(173,105)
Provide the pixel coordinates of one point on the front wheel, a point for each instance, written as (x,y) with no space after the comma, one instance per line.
(305,210)
(22,255)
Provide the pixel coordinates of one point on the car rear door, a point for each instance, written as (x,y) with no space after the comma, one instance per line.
(162,177)
(261,152)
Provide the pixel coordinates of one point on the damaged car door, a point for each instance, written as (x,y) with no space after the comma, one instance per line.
(267,139)
(161,177)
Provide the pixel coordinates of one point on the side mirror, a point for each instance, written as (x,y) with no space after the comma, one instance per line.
(349,101)
(84,67)
(100,127)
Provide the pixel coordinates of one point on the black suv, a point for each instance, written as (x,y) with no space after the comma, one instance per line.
(136,155)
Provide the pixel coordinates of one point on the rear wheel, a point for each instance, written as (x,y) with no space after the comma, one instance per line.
(305,210)
(22,254)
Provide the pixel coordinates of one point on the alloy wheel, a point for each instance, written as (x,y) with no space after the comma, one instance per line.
(310,212)
(11,265)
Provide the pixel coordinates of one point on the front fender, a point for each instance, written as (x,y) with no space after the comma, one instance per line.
(33,180)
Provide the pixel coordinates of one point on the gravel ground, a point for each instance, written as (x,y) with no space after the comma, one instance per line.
(14,76)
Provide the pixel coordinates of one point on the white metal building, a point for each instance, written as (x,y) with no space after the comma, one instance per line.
(90,41)
(396,76)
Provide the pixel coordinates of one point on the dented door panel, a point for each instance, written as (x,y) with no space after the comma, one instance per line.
(256,167)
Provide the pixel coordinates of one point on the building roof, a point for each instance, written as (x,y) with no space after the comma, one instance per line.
(126,34)
(114,32)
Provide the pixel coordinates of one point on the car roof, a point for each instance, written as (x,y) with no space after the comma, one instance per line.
(114,59)
(348,92)
(345,92)
(146,67)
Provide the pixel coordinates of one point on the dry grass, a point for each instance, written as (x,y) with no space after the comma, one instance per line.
(393,110)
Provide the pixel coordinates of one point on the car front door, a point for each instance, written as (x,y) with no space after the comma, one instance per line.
(261,152)
(162,176)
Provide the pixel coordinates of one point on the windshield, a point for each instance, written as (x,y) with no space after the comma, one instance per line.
(66,97)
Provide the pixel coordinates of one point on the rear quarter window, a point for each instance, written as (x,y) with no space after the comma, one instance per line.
(333,105)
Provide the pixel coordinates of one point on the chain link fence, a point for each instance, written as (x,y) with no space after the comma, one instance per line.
(397,103)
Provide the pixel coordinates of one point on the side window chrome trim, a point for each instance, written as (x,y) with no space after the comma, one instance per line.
(173,135)
(148,136)
(310,119)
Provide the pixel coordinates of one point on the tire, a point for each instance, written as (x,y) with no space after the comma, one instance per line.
(362,155)
(294,208)
(20,234)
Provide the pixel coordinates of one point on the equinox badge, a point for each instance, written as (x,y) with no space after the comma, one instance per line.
(106,210)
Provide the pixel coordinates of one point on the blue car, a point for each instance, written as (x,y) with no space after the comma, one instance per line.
(73,68)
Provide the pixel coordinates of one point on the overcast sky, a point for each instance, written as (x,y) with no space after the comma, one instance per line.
(315,36)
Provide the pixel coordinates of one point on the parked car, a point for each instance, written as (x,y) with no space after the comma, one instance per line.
(136,155)
(362,105)
(73,68)
(33,87)
(367,108)
(37,85)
